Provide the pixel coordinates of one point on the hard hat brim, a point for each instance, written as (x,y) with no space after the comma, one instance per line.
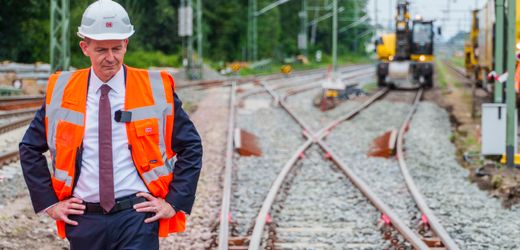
(107,36)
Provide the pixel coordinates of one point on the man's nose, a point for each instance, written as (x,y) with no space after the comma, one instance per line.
(110,56)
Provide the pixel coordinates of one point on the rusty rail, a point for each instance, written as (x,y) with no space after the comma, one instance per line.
(456,69)
(16,102)
(223,241)
(306,87)
(15,124)
(226,193)
(414,190)
(8,157)
(241,80)
(317,138)
(22,112)
(412,237)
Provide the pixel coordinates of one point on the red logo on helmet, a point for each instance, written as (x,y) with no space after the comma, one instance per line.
(108,24)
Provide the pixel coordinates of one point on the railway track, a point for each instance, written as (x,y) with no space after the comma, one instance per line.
(8,157)
(242,80)
(224,225)
(318,138)
(409,235)
(430,219)
(457,70)
(17,113)
(20,102)
(459,73)
(18,123)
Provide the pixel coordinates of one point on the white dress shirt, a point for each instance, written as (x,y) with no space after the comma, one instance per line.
(126,178)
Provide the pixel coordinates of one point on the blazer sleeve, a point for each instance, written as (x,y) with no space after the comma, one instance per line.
(34,163)
(187,144)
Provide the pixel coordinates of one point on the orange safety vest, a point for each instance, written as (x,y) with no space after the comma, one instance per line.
(149,97)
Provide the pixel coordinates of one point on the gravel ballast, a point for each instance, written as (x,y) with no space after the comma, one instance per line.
(352,141)
(277,136)
(471,217)
(321,209)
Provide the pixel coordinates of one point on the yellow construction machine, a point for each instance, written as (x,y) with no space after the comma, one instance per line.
(385,47)
(480,45)
(406,56)
(470,48)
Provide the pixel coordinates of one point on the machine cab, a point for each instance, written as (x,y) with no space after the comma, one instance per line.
(422,38)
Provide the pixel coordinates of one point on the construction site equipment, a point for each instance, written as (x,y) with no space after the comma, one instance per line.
(484,52)
(105,20)
(470,47)
(491,53)
(385,47)
(406,56)
(286,69)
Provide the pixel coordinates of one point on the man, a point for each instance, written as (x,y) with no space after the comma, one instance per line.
(113,133)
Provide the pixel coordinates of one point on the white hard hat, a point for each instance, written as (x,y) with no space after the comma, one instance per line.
(105,20)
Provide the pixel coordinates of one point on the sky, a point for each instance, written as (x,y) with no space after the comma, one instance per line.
(459,17)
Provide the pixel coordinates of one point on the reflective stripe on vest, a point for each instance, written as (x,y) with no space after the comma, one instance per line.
(158,111)
(56,113)
(63,175)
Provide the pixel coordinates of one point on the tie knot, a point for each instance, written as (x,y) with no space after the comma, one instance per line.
(105,89)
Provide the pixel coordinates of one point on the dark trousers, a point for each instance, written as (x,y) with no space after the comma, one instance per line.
(122,230)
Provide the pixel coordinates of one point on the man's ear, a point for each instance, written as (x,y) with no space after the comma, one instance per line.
(84,45)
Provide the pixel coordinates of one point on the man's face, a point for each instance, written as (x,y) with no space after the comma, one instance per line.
(106,56)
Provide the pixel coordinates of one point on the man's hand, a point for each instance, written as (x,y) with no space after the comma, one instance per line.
(161,208)
(64,208)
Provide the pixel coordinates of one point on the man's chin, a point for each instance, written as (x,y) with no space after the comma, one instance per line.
(109,72)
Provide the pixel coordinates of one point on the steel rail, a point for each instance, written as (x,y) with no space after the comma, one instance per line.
(310,86)
(280,86)
(226,193)
(269,77)
(258,229)
(256,236)
(455,69)
(397,222)
(414,190)
(343,69)
(301,123)
(317,138)
(352,73)
(9,114)
(325,131)
(15,124)
(8,157)
(224,215)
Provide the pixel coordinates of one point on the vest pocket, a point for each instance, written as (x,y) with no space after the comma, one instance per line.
(149,154)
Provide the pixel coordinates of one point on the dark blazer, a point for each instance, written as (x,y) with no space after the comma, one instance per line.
(186,143)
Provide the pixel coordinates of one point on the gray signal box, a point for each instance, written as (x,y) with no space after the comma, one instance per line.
(494,129)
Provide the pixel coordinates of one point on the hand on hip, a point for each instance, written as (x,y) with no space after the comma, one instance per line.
(64,208)
(161,208)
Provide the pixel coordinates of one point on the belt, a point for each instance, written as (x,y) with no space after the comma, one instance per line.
(121,204)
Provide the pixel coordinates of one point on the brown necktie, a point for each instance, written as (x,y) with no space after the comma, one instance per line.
(106,169)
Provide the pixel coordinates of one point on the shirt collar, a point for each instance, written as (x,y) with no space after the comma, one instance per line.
(117,83)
